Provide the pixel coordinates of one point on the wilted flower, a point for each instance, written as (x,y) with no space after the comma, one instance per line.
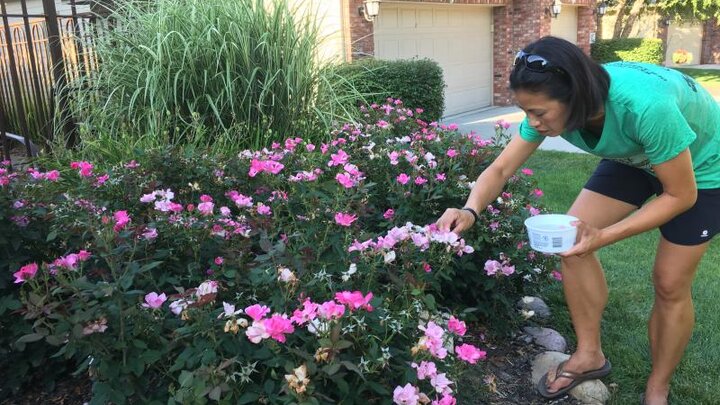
(298,380)
(286,275)
(207,287)
(98,326)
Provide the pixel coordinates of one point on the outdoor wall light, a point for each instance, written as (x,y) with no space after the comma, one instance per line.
(555,8)
(601,8)
(369,9)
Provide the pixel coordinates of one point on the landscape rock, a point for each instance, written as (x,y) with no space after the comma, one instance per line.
(547,338)
(538,307)
(591,392)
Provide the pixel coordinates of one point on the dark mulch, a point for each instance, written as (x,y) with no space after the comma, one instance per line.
(70,391)
(508,372)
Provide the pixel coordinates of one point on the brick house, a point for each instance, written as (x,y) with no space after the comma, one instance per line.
(474,41)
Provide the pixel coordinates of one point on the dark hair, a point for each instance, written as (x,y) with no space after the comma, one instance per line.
(577,80)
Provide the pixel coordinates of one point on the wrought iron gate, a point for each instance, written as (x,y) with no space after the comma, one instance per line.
(41,52)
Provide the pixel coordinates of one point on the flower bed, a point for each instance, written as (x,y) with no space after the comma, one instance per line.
(302,272)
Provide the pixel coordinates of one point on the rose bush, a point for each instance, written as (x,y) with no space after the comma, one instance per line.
(297,273)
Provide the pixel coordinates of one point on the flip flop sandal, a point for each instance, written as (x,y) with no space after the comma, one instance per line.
(577,379)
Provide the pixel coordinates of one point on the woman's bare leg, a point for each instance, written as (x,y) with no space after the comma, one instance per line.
(673,317)
(585,287)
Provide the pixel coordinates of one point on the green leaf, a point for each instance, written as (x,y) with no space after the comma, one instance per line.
(9,303)
(136,366)
(51,236)
(150,266)
(55,340)
(331,369)
(269,387)
(151,356)
(186,378)
(352,367)
(343,344)
(31,337)
(126,281)
(247,398)
(429,301)
(342,385)
(215,393)
(380,389)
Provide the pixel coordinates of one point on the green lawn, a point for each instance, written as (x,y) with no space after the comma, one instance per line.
(628,267)
(708,78)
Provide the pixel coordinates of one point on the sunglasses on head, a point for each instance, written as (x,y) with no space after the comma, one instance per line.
(536,63)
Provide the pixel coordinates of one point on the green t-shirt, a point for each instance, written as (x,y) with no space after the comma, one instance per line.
(651,115)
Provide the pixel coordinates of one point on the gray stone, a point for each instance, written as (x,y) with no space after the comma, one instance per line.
(535,304)
(591,392)
(547,338)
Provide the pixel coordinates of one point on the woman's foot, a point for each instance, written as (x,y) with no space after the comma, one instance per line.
(656,397)
(577,364)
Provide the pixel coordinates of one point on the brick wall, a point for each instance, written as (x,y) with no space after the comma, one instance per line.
(504,51)
(360,42)
(711,42)
(587,23)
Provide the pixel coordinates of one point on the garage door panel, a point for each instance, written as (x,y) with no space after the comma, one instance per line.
(456,18)
(442,50)
(459,99)
(424,18)
(442,17)
(464,75)
(389,19)
(456,36)
(408,49)
(389,48)
(407,18)
(426,46)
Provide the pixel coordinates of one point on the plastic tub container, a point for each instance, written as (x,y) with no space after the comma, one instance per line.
(551,233)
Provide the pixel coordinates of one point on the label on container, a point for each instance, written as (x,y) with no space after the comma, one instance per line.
(545,242)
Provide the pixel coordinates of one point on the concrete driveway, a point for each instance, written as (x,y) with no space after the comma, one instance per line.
(483,123)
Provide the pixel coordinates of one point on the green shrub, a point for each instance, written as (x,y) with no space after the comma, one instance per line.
(648,50)
(21,242)
(142,259)
(419,83)
(209,72)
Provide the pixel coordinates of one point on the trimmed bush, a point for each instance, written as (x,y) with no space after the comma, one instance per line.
(419,83)
(648,50)
(189,278)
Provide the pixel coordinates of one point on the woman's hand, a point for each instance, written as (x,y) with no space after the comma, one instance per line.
(455,220)
(588,240)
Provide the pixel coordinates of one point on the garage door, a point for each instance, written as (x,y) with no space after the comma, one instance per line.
(456,36)
(566,24)
(686,37)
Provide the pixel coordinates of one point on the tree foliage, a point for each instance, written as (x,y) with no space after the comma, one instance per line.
(690,9)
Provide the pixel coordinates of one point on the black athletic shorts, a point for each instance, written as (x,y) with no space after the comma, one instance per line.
(635,186)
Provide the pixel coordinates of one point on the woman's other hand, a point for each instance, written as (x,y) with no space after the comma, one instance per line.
(587,241)
(455,220)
